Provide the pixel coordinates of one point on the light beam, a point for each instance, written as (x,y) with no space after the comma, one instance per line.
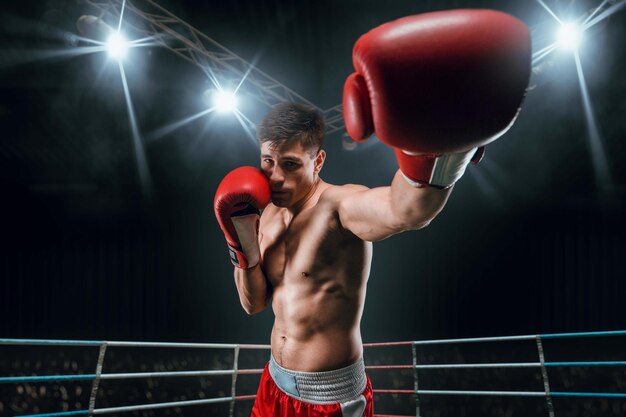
(605,14)
(598,156)
(159,133)
(545,6)
(247,125)
(142,165)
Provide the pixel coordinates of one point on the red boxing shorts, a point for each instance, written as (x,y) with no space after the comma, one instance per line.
(345,392)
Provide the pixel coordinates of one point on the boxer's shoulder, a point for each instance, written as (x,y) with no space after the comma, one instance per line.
(269,211)
(335,194)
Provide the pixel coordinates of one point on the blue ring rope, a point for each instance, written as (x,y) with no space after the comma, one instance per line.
(60,413)
(169,344)
(51,342)
(589,394)
(596,363)
(583,334)
(44,378)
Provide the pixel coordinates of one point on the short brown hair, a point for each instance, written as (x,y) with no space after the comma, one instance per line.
(292,121)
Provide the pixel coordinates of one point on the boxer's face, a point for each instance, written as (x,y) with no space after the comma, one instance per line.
(291,169)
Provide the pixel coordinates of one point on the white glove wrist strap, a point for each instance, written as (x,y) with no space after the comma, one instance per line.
(248,233)
(448,168)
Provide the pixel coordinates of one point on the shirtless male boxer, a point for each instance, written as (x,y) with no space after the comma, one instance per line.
(436,87)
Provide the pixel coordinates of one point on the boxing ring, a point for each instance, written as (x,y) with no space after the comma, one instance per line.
(414,368)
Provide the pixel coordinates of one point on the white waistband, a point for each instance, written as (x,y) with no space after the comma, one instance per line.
(326,387)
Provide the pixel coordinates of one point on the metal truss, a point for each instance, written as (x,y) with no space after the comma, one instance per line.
(219,63)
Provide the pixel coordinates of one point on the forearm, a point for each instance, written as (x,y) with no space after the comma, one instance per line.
(253,289)
(414,208)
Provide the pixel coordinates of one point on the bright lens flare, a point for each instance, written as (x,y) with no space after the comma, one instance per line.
(225,101)
(117,46)
(569,37)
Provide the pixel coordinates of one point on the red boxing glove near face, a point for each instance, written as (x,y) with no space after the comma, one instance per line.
(239,198)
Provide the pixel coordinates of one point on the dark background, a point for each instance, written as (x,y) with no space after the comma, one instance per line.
(531,241)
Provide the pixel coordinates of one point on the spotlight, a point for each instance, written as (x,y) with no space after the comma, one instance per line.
(224,101)
(117,46)
(570,35)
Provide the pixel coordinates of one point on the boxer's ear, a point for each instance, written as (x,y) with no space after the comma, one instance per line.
(319,161)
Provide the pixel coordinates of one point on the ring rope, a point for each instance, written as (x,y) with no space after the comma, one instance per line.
(505,393)
(381,391)
(53,342)
(82,377)
(142,407)
(260,346)
(500,338)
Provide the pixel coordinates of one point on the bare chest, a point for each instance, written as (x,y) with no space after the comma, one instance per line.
(306,247)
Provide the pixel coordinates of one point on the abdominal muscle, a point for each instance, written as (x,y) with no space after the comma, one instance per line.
(316,328)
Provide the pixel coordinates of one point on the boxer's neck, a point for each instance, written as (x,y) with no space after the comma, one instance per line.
(309,199)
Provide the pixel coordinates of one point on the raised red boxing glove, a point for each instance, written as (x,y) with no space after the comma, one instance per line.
(239,198)
(438,84)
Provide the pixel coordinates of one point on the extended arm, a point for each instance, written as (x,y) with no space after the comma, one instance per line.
(377,213)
